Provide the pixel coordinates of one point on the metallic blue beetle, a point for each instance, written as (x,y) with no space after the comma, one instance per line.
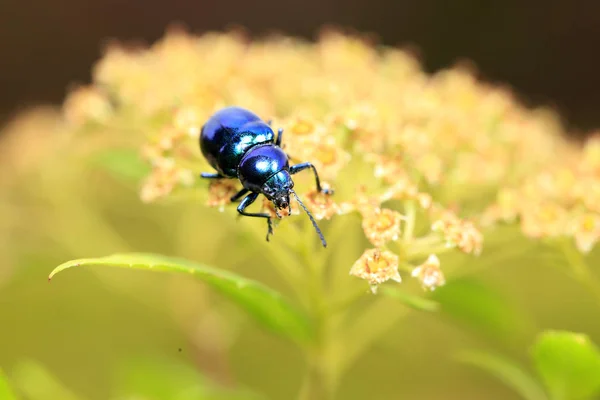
(238,144)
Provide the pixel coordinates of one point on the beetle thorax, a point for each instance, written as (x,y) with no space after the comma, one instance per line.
(261,164)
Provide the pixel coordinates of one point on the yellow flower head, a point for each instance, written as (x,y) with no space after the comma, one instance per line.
(424,161)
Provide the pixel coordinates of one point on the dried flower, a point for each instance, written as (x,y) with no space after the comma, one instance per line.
(376,267)
(382,226)
(460,233)
(321,205)
(220,193)
(429,273)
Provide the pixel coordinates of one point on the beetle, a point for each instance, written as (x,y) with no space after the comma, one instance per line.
(238,144)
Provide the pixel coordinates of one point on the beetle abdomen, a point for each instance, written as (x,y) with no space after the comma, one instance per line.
(228,134)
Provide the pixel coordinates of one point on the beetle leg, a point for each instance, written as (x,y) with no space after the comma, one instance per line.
(279,137)
(239,195)
(212,175)
(245,203)
(301,167)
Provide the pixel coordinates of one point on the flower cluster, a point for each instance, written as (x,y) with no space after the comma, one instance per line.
(425,161)
(561,199)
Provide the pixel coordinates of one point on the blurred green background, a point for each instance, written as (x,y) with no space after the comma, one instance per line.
(110,333)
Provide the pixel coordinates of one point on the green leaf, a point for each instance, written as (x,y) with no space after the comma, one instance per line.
(6,392)
(264,304)
(569,364)
(480,307)
(36,383)
(170,379)
(122,163)
(415,302)
(506,371)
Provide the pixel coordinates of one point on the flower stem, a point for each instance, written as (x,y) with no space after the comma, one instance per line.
(411,216)
(319,382)
(417,252)
(350,301)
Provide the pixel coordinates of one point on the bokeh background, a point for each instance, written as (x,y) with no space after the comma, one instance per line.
(90,332)
(547,50)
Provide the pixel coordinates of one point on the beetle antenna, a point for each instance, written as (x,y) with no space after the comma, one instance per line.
(312,219)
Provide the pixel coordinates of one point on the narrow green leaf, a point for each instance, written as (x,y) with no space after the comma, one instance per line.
(122,163)
(569,364)
(415,302)
(264,304)
(506,371)
(37,383)
(481,307)
(6,392)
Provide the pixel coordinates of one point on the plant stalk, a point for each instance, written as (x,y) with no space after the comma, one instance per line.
(319,381)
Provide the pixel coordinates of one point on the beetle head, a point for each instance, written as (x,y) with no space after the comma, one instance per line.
(277,189)
(282,201)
